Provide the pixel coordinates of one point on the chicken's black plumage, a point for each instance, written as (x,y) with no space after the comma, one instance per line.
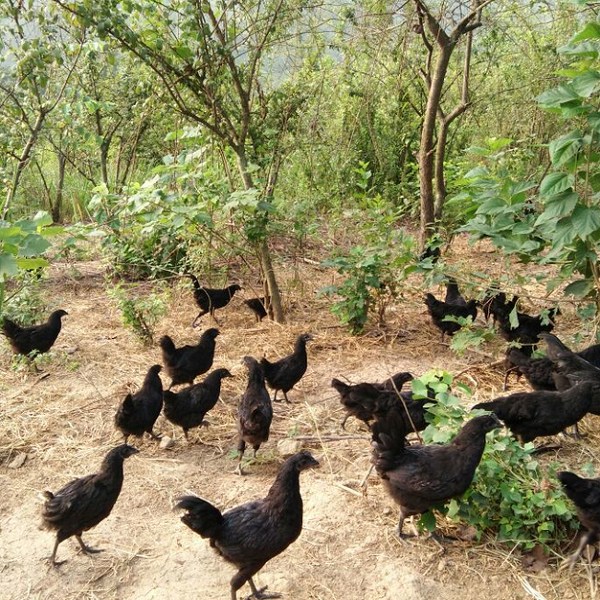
(285,373)
(186,363)
(250,535)
(188,407)
(138,412)
(84,502)
(535,414)
(362,400)
(209,299)
(418,477)
(261,307)
(255,411)
(585,494)
(38,338)
(453,295)
(439,311)
(527,329)
(539,372)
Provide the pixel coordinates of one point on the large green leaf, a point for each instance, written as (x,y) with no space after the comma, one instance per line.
(555,183)
(590,32)
(579,288)
(558,96)
(33,245)
(8,266)
(587,83)
(566,148)
(558,206)
(586,219)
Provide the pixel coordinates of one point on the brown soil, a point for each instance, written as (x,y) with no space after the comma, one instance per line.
(63,421)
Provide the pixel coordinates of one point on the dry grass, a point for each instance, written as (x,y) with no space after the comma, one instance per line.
(63,420)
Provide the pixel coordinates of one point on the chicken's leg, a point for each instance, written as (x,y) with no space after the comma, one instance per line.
(52,557)
(260,594)
(85,548)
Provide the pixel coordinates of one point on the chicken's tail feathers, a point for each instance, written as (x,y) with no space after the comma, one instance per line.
(339,386)
(265,363)
(517,357)
(200,516)
(555,346)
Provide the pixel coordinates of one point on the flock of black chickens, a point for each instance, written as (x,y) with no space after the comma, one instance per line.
(566,387)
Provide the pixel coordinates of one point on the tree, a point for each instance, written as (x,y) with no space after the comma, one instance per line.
(37,66)
(211,59)
(432,150)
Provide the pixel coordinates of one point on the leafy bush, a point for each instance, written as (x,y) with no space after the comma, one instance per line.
(511,494)
(139,314)
(377,262)
(22,245)
(561,215)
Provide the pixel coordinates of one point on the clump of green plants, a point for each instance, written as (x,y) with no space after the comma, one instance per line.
(512,495)
(24,301)
(374,267)
(139,314)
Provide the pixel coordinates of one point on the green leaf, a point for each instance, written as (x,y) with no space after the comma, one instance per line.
(587,83)
(555,183)
(33,245)
(580,288)
(428,521)
(586,220)
(566,148)
(559,96)
(32,263)
(590,32)
(8,265)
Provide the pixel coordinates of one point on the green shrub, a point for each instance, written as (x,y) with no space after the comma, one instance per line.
(139,314)
(512,496)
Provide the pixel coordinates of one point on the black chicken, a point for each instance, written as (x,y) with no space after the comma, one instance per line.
(261,307)
(360,400)
(539,372)
(453,295)
(572,367)
(138,412)
(209,299)
(186,363)
(250,535)
(440,311)
(494,300)
(585,494)
(84,502)
(534,414)
(544,373)
(419,477)
(255,411)
(37,338)
(285,373)
(188,407)
(527,329)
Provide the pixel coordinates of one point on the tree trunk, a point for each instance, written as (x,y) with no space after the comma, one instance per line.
(23,160)
(60,185)
(427,148)
(264,254)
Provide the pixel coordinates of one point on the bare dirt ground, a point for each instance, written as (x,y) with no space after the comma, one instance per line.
(63,422)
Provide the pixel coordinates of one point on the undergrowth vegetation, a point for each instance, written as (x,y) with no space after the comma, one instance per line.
(514,496)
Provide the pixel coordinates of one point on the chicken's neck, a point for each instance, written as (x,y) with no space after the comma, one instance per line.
(112,470)
(285,489)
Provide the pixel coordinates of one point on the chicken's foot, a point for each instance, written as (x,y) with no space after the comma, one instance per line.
(85,548)
(260,594)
